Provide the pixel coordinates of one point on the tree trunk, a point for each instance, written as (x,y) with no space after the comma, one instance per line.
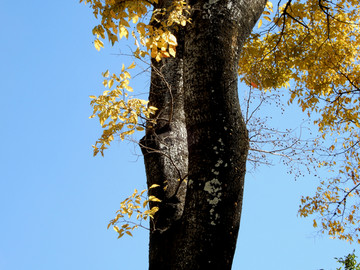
(200,133)
(165,151)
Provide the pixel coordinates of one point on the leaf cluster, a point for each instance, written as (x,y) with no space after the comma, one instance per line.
(154,38)
(314,47)
(136,204)
(349,262)
(118,113)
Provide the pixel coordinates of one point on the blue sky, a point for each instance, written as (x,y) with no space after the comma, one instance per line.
(56,199)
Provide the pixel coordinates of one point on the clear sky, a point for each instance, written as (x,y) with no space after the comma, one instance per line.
(56,199)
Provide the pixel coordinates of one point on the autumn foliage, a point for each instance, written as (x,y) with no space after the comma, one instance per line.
(310,49)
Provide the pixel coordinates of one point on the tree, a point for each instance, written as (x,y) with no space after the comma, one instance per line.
(196,141)
(349,262)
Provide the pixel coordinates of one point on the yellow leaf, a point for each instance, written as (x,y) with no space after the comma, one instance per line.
(141,29)
(153,211)
(144,102)
(129,88)
(129,233)
(123,32)
(152,108)
(106,74)
(110,83)
(165,54)
(269,5)
(98,44)
(154,199)
(314,224)
(145,203)
(267,18)
(154,186)
(135,19)
(172,52)
(127,74)
(260,23)
(123,23)
(172,40)
(132,66)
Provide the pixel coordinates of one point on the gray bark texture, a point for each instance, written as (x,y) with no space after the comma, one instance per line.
(196,146)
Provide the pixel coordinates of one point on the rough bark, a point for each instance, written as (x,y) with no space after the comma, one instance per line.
(165,151)
(217,135)
(200,124)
